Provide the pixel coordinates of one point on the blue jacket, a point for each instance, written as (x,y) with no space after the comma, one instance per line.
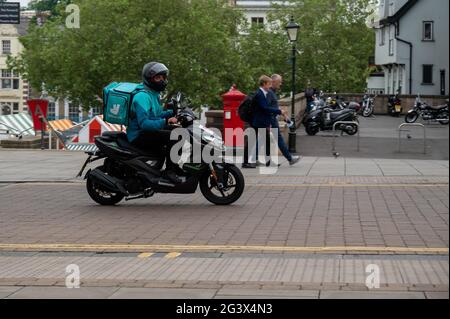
(148,114)
(272,99)
(262,117)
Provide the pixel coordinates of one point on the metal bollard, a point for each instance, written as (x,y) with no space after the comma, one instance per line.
(400,130)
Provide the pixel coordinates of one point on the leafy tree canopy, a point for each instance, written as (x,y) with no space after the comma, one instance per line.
(205,43)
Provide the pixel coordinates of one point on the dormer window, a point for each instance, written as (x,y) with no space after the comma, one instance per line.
(428,31)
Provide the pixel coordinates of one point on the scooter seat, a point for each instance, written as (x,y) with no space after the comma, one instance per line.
(122,141)
(337,114)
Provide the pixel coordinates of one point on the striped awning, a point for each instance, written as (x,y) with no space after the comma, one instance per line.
(21,123)
(61,125)
(81,147)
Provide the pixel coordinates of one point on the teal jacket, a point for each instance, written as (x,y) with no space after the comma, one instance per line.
(148,114)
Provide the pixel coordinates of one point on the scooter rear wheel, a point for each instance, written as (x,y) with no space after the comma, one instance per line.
(351,129)
(311,130)
(100,195)
(230,194)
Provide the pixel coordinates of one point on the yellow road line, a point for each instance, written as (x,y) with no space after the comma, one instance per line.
(172,255)
(145,255)
(216,248)
(347,185)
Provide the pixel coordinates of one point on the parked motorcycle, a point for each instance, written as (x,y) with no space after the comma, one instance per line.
(336,102)
(428,112)
(132,173)
(368,105)
(394,107)
(318,102)
(323,119)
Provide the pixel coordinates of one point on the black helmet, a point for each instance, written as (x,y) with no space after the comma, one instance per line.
(153,69)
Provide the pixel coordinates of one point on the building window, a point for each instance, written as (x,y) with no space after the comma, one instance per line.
(9,80)
(74,112)
(15,108)
(257,22)
(51,114)
(382,36)
(6,46)
(428,31)
(400,77)
(427,74)
(391,40)
(391,47)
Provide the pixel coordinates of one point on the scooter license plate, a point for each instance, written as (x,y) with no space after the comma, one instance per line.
(398,108)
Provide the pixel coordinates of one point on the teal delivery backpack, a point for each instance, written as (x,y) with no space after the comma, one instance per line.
(117,102)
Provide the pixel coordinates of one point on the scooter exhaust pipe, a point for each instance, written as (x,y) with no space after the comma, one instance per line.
(110,183)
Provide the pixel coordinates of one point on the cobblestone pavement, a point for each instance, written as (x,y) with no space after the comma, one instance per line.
(305,232)
(409,215)
(196,275)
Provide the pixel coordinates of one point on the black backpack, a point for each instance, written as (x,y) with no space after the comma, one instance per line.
(247,108)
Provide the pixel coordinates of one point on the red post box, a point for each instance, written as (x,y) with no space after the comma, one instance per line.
(231,119)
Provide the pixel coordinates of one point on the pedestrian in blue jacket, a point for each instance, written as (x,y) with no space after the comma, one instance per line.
(277,82)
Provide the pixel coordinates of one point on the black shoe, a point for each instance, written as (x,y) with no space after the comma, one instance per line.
(249,166)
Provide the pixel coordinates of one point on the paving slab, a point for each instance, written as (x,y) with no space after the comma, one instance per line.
(437,295)
(163,293)
(370,295)
(7,291)
(238,293)
(63,293)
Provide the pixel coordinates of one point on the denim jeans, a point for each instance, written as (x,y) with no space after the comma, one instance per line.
(281,143)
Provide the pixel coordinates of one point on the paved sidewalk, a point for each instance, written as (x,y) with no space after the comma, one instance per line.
(22,166)
(305,232)
(197,275)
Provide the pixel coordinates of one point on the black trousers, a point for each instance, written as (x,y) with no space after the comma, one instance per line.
(157,143)
(248,146)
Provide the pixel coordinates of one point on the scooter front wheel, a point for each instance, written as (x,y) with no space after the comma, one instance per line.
(368,111)
(229,193)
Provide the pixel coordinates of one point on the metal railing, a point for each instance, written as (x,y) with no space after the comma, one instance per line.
(345,122)
(400,130)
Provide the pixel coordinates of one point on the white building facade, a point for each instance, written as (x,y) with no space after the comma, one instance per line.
(14,90)
(412,47)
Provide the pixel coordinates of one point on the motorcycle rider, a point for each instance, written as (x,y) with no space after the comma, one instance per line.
(147,128)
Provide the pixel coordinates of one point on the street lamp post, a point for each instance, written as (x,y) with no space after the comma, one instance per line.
(292,31)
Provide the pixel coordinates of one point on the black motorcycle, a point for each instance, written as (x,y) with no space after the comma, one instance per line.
(394,107)
(428,112)
(323,118)
(132,173)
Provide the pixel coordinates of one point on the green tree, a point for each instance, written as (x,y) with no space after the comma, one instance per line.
(116,38)
(53,6)
(334,43)
(205,43)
